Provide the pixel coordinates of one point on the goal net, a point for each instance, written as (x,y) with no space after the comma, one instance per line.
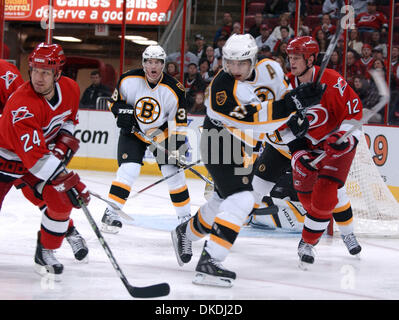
(375,210)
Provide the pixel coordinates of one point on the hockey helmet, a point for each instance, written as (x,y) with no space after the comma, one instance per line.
(47,56)
(307,46)
(240,47)
(154,52)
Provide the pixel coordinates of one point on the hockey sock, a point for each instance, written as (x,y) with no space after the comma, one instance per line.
(119,192)
(181,201)
(344,219)
(53,230)
(314,226)
(197,228)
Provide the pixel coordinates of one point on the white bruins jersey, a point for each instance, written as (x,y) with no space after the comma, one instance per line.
(246,107)
(154,106)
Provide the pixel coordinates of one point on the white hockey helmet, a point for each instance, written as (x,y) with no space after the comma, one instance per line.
(154,52)
(240,47)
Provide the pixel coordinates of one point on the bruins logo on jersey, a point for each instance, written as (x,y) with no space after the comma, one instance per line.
(221,97)
(180,86)
(265,93)
(147,110)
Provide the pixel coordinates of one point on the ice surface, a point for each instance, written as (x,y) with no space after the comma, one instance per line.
(266,262)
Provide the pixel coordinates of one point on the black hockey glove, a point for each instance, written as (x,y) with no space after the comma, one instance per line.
(126,119)
(298,125)
(304,96)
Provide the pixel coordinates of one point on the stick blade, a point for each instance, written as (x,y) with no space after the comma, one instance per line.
(156,290)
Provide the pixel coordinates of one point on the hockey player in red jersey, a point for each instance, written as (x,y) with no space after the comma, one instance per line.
(36,139)
(10,80)
(317,186)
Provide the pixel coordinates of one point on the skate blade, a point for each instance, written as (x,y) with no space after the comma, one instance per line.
(208,280)
(46,273)
(175,247)
(305,266)
(109,229)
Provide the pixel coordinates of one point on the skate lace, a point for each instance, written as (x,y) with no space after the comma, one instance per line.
(48,257)
(76,241)
(186,243)
(350,241)
(184,218)
(306,248)
(111,215)
(217,263)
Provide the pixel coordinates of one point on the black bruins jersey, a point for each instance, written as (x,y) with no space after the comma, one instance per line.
(154,106)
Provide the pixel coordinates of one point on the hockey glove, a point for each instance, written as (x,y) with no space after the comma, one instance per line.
(304,96)
(335,150)
(298,125)
(66,145)
(60,197)
(303,174)
(126,119)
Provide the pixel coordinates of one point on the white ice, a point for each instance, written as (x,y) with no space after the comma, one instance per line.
(266,262)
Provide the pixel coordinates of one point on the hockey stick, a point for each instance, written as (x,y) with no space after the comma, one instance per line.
(165,178)
(167,152)
(156,290)
(113,206)
(384,94)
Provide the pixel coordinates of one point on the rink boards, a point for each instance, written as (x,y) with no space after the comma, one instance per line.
(98,134)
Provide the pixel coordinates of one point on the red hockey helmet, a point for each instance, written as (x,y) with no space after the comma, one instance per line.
(47,56)
(307,46)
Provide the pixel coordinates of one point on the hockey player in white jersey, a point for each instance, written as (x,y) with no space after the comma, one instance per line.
(236,121)
(151,101)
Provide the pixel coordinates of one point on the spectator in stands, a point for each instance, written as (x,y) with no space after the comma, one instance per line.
(189,57)
(321,39)
(283,22)
(225,29)
(395,55)
(205,70)
(366,60)
(292,7)
(198,106)
(264,35)
(376,43)
(275,8)
(352,68)
(376,53)
(193,82)
(372,19)
(368,94)
(210,56)
(172,69)
(219,45)
(199,46)
(330,7)
(335,62)
(282,62)
(236,28)
(360,6)
(354,43)
(302,29)
(264,52)
(328,28)
(285,37)
(282,52)
(254,30)
(95,90)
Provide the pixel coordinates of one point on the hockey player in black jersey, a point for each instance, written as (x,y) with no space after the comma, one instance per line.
(154,103)
(237,119)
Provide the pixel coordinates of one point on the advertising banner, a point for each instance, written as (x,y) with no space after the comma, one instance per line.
(140,12)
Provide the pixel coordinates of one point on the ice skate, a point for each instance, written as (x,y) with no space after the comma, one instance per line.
(78,244)
(211,272)
(111,222)
(182,244)
(351,243)
(46,264)
(306,255)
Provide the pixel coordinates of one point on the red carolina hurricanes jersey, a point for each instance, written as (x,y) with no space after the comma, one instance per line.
(29,122)
(10,80)
(339,102)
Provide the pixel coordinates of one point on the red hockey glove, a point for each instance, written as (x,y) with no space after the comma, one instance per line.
(303,174)
(59,195)
(335,150)
(66,145)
